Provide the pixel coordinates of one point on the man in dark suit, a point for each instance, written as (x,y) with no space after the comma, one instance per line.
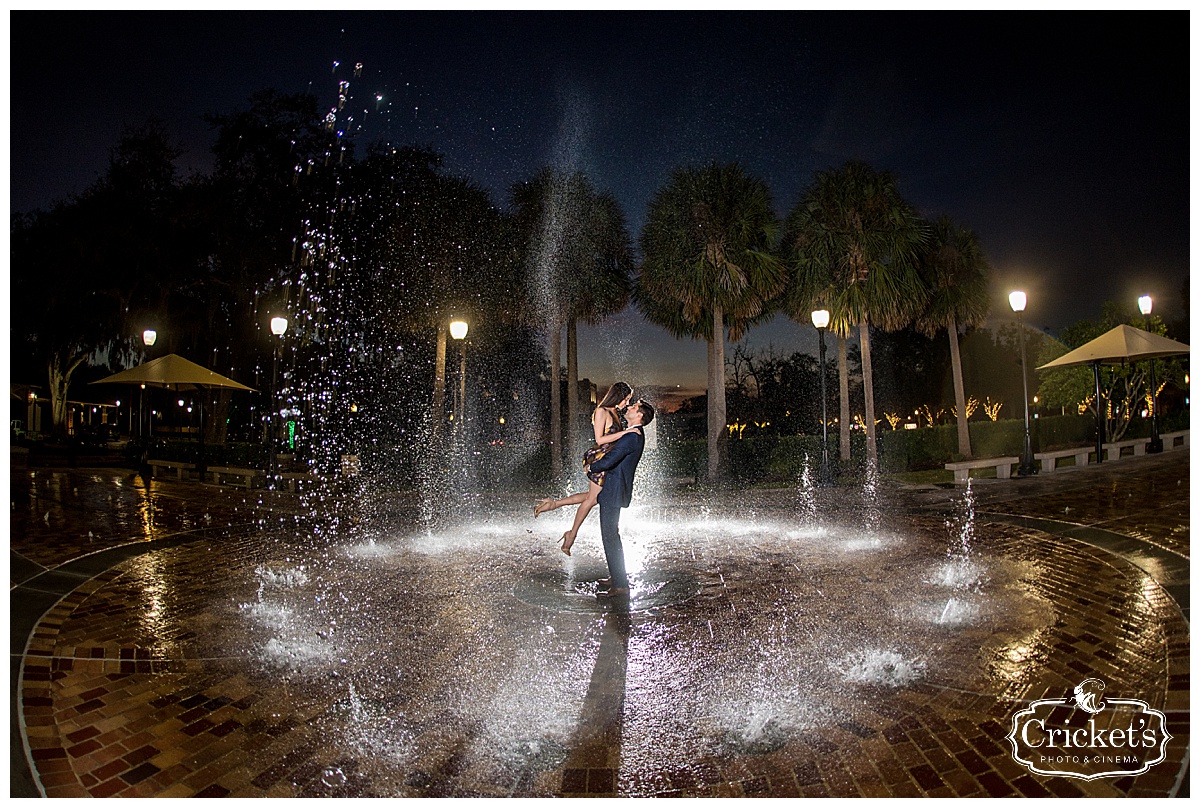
(619,464)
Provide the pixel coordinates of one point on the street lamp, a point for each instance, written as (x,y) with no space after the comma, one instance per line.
(820,318)
(278,328)
(149,337)
(458,330)
(1017,301)
(1145,305)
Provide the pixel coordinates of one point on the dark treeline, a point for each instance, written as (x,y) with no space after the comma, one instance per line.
(369,252)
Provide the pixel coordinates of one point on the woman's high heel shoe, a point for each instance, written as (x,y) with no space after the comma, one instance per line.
(568,539)
(542,506)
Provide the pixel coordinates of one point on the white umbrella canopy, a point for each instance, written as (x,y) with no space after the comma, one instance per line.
(1116,347)
(174,372)
(1122,344)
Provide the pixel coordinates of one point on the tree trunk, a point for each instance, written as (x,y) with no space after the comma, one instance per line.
(218,424)
(437,412)
(573,448)
(844,397)
(960,398)
(864,339)
(59,372)
(555,399)
(716,395)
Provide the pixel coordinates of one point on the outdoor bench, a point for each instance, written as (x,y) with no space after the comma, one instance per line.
(180,467)
(293,478)
(246,476)
(1168,439)
(1049,459)
(962,468)
(1113,450)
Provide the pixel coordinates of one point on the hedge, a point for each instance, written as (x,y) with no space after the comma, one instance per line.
(751,460)
(773,458)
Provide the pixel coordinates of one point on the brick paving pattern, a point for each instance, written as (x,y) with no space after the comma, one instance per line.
(170,675)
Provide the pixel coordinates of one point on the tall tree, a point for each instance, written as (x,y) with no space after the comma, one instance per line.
(84,272)
(853,244)
(708,264)
(429,247)
(579,260)
(955,273)
(254,202)
(598,289)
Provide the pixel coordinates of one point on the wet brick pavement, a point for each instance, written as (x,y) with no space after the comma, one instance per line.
(473,663)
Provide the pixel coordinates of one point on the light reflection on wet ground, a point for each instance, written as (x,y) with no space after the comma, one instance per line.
(762,654)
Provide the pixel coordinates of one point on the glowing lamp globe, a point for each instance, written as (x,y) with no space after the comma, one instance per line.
(820,318)
(278,326)
(458,329)
(1145,305)
(149,336)
(1017,301)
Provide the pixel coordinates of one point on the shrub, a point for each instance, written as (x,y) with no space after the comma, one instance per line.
(1062,431)
(916,449)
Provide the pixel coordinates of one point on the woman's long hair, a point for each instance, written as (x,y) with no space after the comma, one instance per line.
(615,395)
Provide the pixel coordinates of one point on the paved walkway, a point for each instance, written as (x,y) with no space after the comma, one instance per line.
(760,656)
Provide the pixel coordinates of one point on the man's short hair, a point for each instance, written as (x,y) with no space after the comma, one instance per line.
(647,411)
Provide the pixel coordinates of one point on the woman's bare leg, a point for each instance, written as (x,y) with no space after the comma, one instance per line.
(548,504)
(585,506)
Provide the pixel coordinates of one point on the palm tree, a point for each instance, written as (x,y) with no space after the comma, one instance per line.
(708,263)
(853,242)
(599,288)
(579,261)
(955,272)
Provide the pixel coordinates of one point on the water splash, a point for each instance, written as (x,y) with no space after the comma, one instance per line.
(333,777)
(879,666)
(960,571)
(280,575)
(806,494)
(966,521)
(872,512)
(958,612)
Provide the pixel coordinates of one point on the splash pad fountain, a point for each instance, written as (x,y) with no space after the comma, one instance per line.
(764,639)
(472,655)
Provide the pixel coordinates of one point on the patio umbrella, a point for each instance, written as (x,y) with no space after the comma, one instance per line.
(1116,347)
(176,373)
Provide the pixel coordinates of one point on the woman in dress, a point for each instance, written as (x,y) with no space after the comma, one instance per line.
(608,426)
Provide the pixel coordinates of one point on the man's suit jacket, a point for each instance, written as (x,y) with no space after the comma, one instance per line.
(619,463)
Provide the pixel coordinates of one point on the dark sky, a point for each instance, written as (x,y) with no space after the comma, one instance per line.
(1061,138)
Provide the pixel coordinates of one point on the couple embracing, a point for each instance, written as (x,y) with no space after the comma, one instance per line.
(619,429)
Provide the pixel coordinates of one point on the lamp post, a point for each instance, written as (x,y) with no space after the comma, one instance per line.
(1146,305)
(278,328)
(820,319)
(458,331)
(1017,301)
(149,337)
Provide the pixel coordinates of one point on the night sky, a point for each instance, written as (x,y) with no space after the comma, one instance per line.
(1061,138)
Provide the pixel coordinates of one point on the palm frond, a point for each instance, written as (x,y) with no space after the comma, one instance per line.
(707,244)
(955,271)
(852,244)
